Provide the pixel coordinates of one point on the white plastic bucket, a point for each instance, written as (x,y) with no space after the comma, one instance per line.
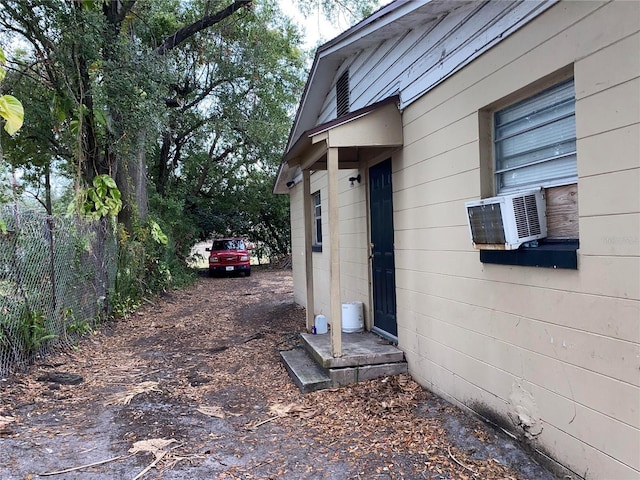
(321,324)
(352,317)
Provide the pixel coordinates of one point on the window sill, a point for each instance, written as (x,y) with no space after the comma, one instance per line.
(316,248)
(548,254)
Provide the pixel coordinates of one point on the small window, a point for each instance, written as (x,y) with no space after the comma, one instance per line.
(342,94)
(535,141)
(534,145)
(317,222)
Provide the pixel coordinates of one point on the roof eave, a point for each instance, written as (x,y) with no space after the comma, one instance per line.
(333,52)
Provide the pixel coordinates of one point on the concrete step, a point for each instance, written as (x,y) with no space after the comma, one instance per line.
(309,376)
(348,375)
(304,371)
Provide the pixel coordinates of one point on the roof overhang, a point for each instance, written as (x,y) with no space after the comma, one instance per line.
(388,22)
(377,126)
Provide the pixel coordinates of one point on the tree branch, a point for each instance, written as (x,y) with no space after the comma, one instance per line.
(186,32)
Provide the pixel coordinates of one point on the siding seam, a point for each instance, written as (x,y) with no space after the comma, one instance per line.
(524,54)
(516,376)
(545,322)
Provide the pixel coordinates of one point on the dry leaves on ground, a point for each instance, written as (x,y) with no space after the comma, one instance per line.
(5,422)
(124,398)
(217,355)
(155,446)
(215,411)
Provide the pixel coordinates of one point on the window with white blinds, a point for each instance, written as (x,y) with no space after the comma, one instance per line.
(535,141)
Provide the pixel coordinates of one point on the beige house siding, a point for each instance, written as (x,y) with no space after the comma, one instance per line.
(564,344)
(354,268)
(561,346)
(297,245)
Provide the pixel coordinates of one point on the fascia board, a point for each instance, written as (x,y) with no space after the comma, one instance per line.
(383,17)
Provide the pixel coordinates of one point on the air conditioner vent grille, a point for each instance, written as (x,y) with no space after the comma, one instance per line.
(486,223)
(526,215)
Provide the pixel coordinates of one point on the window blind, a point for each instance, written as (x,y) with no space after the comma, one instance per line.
(535,141)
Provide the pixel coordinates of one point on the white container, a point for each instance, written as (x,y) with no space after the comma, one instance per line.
(320,324)
(352,317)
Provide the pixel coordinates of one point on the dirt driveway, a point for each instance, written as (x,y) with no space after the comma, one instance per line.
(192,386)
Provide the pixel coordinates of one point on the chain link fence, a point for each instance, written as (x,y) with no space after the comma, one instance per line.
(56,274)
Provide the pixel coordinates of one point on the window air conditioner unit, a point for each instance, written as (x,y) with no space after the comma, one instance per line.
(507,221)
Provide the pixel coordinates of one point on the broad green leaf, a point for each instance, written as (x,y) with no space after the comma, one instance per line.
(13,113)
(108,181)
(157,234)
(113,205)
(101,190)
(97,180)
(93,196)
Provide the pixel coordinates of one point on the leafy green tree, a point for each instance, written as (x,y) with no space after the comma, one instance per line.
(352,11)
(41,149)
(11,110)
(103,80)
(229,117)
(196,96)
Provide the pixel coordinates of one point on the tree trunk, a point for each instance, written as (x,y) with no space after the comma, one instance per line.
(131,178)
(47,189)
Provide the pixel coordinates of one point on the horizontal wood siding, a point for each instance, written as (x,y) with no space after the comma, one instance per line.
(353,244)
(491,337)
(297,245)
(419,59)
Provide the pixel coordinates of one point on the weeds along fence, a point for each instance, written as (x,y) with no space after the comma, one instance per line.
(55,277)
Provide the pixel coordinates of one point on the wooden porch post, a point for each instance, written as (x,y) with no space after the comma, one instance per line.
(334,252)
(308,242)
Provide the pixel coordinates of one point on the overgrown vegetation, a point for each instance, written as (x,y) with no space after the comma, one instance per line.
(162,120)
(186,105)
(56,276)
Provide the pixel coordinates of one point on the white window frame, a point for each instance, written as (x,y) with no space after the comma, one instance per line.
(534,141)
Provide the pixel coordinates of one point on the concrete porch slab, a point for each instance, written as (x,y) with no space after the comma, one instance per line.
(358,349)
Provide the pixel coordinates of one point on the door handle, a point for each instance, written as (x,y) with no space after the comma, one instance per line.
(371,245)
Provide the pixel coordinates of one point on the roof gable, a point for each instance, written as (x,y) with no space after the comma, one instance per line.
(405,49)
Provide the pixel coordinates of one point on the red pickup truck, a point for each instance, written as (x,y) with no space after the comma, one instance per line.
(229,255)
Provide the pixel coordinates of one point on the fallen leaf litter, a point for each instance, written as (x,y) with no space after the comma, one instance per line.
(198,356)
